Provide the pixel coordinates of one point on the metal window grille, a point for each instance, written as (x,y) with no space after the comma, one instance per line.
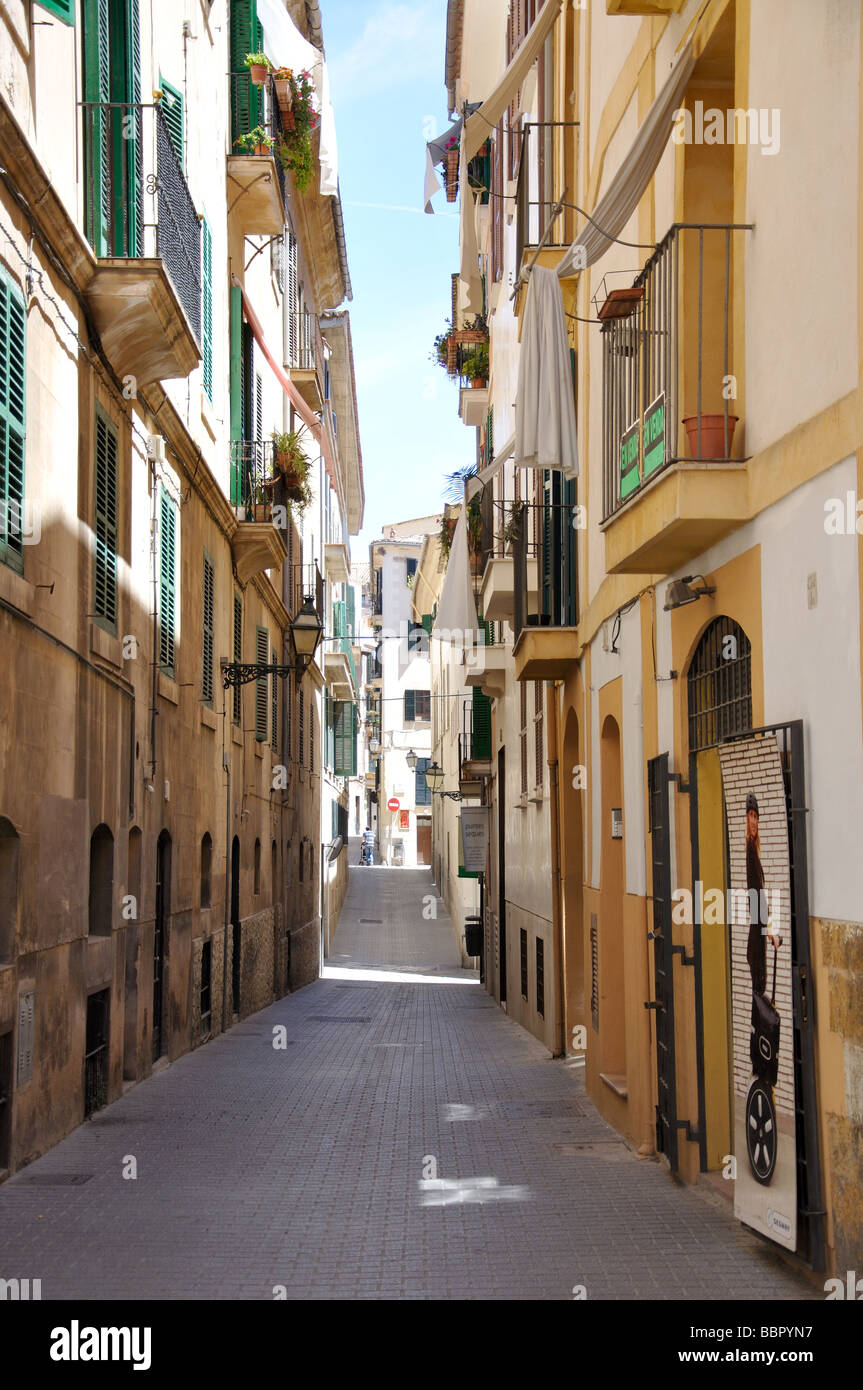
(540,977)
(207,631)
(537,729)
(523,739)
(238,656)
(96,1053)
(594,971)
(719,685)
(523,946)
(206,985)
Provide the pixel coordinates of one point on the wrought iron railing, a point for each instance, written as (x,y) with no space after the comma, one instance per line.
(96,1078)
(305,347)
(251,107)
(257,485)
(137,203)
(669,359)
(541,144)
(543,538)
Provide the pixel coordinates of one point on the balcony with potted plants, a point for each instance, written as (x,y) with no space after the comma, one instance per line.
(144,297)
(473,395)
(272,118)
(270,489)
(674,468)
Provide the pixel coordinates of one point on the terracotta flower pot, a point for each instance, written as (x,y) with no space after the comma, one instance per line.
(258,74)
(284,95)
(263,149)
(712,435)
(261,511)
(289,120)
(451,176)
(478,383)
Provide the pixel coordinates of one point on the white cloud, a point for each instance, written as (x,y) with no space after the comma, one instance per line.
(392,50)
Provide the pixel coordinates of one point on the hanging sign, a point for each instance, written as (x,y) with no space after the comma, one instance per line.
(474,829)
(629,451)
(654,435)
(393,804)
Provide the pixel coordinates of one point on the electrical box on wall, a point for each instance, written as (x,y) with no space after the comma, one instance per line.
(617,823)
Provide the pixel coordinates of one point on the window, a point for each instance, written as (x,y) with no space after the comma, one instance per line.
(719,685)
(262,647)
(206,870)
(207,633)
(540,977)
(411,568)
(101,881)
(12,421)
(301,722)
(63,9)
(302,858)
(206,984)
(257,887)
(537,729)
(207,274)
(497,209)
(10,845)
(523,738)
(171,107)
(423,791)
(105,527)
(523,945)
(594,972)
(345,738)
(312,738)
(238,656)
(274,720)
(167,582)
(417,706)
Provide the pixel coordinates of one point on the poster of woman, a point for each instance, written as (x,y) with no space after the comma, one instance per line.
(765,1194)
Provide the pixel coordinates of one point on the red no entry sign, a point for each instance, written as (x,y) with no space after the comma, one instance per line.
(393,804)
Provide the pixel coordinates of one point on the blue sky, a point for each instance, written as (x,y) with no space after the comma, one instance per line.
(386,65)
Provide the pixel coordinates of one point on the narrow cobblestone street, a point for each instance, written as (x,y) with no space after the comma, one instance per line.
(309,1167)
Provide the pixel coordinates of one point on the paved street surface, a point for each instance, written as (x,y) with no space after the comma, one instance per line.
(313,1167)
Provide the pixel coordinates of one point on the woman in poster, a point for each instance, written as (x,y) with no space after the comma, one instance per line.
(761,1136)
(756,947)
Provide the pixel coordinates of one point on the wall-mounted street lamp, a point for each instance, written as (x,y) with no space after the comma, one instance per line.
(374,746)
(306,630)
(682,591)
(411,760)
(434,781)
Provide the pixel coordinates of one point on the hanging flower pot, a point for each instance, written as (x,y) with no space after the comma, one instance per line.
(451,174)
(284,91)
(712,435)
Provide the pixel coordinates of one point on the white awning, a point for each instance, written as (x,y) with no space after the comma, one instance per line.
(485,475)
(479,126)
(456,612)
(470,280)
(545,434)
(623,194)
(289,49)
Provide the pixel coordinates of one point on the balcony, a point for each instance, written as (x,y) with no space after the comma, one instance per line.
(256,177)
(144,298)
(674,474)
(340,672)
(486,668)
(545,146)
(305,357)
(546,629)
(337,561)
(475,762)
(259,500)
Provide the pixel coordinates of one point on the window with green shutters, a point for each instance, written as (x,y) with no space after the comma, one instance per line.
(481,724)
(172,108)
(105,557)
(338,618)
(329,731)
(350,611)
(238,656)
(207,305)
(167,582)
(345,737)
(262,647)
(207,632)
(247,36)
(423,790)
(417,706)
(113,154)
(63,9)
(13,359)
(274,703)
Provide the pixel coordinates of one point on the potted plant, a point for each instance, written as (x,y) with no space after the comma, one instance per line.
(712,435)
(259,66)
(284,90)
(450,168)
(256,141)
(512,529)
(440,350)
(261,508)
(295,149)
(475,367)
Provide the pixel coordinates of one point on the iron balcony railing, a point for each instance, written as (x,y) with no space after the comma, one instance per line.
(257,485)
(544,549)
(251,107)
(670,359)
(137,201)
(474,743)
(305,347)
(544,146)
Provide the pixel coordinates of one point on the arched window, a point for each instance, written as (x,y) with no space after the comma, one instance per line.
(206,870)
(257,867)
(101,881)
(720,685)
(9,851)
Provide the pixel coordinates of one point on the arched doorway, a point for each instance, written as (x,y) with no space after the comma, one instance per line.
(612,1015)
(236,929)
(572,868)
(160,940)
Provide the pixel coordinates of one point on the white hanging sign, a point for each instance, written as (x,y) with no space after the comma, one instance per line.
(474,830)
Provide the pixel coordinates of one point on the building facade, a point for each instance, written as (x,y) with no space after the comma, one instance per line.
(162,279)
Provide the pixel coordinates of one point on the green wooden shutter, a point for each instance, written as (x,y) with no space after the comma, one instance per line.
(236,392)
(238,656)
(350,612)
(338,618)
(262,647)
(167,582)
(345,724)
(274,729)
(427,622)
(410,706)
(128,136)
(246,37)
(481,724)
(97,89)
(207,316)
(63,9)
(13,361)
(105,558)
(172,108)
(207,632)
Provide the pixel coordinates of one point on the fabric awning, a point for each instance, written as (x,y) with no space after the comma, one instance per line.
(470,296)
(489,113)
(485,475)
(545,435)
(291,50)
(456,614)
(305,412)
(623,194)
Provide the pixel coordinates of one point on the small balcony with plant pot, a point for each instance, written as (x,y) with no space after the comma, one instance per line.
(270,490)
(473,394)
(675,476)
(271,141)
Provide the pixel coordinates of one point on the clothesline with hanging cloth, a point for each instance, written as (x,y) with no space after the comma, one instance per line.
(479,125)
(305,412)
(436,153)
(545,433)
(624,193)
(456,615)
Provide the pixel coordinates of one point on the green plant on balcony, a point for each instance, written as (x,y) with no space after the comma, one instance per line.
(255,141)
(512,529)
(298,122)
(475,367)
(440,349)
(291,460)
(259,66)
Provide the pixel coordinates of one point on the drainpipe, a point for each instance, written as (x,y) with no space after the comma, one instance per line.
(227,768)
(556,899)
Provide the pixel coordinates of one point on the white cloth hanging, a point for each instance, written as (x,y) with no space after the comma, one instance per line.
(545,434)
(456,619)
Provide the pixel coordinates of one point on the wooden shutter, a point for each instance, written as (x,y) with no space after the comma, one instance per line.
(301,723)
(350,613)
(105,597)
(245,38)
(259,407)
(338,618)
(262,647)
(167,582)
(523,687)
(207,272)
(537,729)
(207,632)
(236,330)
(172,108)
(410,706)
(497,205)
(13,360)
(481,724)
(63,9)
(238,656)
(97,125)
(274,731)
(128,202)
(345,738)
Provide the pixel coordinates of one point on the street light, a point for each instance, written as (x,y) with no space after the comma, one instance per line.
(374,746)
(411,760)
(434,781)
(306,629)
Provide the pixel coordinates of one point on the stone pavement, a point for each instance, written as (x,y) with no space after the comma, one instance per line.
(409,1142)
